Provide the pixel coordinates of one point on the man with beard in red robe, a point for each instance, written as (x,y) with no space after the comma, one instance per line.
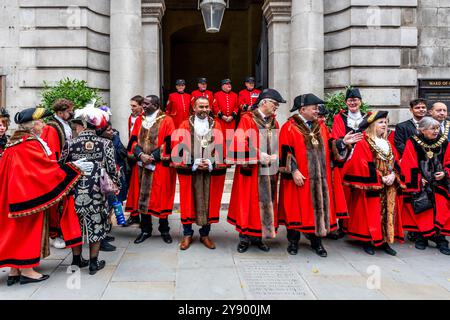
(202,91)
(253,204)
(179,103)
(310,199)
(426,167)
(198,157)
(24,199)
(152,148)
(133,178)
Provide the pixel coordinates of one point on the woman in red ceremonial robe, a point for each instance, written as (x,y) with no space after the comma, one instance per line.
(373,174)
(24,199)
(426,167)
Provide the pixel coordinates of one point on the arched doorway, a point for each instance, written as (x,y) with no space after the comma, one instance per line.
(189,52)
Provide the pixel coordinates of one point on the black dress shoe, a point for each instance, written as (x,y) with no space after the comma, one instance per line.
(167,238)
(386,248)
(292,248)
(132,220)
(25,280)
(106,246)
(243,246)
(96,265)
(320,250)
(443,249)
(12,280)
(142,237)
(421,243)
(369,249)
(412,236)
(109,238)
(262,246)
(82,263)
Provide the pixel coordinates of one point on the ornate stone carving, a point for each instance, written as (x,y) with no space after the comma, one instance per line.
(153,11)
(277,11)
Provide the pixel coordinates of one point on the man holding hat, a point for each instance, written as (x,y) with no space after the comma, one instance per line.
(202,91)
(24,198)
(248,96)
(310,200)
(226,106)
(55,134)
(179,104)
(253,204)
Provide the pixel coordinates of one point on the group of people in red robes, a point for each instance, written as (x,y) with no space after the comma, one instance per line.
(358,179)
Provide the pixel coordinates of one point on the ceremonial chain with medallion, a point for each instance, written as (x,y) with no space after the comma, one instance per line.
(427,147)
(384,156)
(204,141)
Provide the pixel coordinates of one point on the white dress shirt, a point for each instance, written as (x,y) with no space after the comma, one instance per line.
(66,126)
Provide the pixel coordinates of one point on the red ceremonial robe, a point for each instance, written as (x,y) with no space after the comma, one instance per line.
(247,98)
(24,199)
(178,107)
(206,94)
(245,204)
(299,206)
(226,104)
(55,137)
(133,189)
(164,177)
(182,157)
(427,222)
(365,205)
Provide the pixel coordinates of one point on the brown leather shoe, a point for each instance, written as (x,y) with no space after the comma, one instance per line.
(186,242)
(207,242)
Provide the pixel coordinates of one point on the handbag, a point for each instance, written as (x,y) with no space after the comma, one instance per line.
(107,186)
(421,202)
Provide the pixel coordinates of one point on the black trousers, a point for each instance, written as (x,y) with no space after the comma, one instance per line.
(147,226)
(294,236)
(249,239)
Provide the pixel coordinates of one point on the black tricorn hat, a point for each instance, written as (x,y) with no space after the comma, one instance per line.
(250,80)
(270,94)
(202,80)
(371,117)
(180,82)
(225,81)
(31,114)
(306,100)
(4,113)
(353,93)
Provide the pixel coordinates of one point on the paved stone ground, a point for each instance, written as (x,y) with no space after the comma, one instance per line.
(155,270)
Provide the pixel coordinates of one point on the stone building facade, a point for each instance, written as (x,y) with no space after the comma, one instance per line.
(385,47)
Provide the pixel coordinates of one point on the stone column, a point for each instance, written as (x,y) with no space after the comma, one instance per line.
(152,12)
(307,48)
(278,16)
(126,75)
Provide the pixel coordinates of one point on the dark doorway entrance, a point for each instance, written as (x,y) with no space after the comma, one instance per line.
(189,52)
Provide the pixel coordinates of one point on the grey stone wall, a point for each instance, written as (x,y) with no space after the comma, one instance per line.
(365,41)
(50,40)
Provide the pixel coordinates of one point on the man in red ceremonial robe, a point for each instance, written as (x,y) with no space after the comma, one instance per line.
(248,96)
(226,107)
(426,167)
(55,134)
(310,199)
(24,199)
(152,147)
(373,174)
(253,204)
(179,104)
(133,179)
(202,91)
(198,157)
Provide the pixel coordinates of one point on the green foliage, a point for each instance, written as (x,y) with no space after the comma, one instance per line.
(335,102)
(71,89)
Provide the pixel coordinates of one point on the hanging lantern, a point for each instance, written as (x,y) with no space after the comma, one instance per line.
(212,12)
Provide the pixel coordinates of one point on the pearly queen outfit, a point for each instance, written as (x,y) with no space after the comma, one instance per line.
(90,203)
